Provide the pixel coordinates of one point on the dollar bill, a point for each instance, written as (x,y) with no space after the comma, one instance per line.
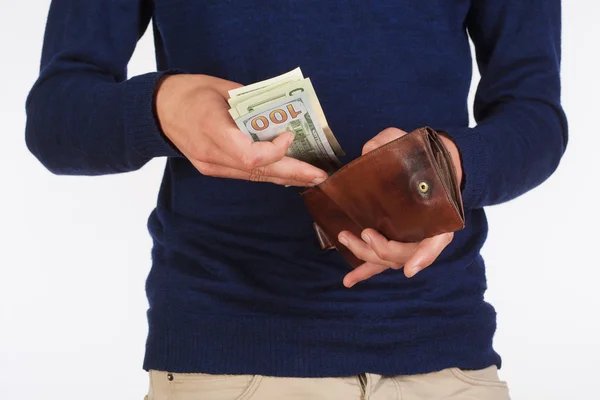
(295,75)
(288,102)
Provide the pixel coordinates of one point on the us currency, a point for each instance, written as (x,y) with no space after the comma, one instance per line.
(288,102)
(293,75)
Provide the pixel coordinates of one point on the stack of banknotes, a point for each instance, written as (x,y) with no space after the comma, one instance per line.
(288,102)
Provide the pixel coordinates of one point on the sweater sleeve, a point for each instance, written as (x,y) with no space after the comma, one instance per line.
(521,132)
(84,117)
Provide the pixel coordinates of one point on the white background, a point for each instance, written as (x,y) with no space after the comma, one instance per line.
(75,252)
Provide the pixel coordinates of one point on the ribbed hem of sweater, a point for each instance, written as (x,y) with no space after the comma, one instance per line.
(474,158)
(142,125)
(289,347)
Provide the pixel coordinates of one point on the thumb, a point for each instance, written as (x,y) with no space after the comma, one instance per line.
(383,137)
(284,140)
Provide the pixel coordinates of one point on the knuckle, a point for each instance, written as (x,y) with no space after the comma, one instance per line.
(393,131)
(250,161)
(383,253)
(395,265)
(294,176)
(245,162)
(202,153)
(197,154)
(205,169)
(368,146)
(258,174)
(361,255)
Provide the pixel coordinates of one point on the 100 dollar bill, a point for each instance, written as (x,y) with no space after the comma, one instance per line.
(295,114)
(288,102)
(249,90)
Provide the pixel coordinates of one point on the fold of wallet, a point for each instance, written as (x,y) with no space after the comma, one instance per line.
(406,189)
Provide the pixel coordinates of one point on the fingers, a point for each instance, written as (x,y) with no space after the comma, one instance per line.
(379,254)
(225,144)
(245,154)
(226,151)
(385,136)
(388,250)
(248,154)
(259,154)
(262,158)
(294,170)
(427,252)
(363,272)
(362,250)
(287,171)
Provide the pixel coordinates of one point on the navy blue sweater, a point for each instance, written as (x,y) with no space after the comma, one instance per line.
(238,283)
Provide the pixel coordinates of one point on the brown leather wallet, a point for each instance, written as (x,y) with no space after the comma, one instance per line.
(406,189)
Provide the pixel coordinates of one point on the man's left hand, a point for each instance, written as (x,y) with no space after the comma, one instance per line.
(381,254)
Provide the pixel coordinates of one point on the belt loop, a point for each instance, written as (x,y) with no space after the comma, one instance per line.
(371,382)
(362,381)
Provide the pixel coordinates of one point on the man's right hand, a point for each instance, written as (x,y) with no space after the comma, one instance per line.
(194,114)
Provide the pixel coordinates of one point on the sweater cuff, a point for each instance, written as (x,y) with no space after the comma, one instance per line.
(141,123)
(474,160)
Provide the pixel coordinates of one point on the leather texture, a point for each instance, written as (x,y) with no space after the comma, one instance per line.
(406,189)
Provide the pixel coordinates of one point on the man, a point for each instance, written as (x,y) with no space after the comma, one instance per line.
(243,303)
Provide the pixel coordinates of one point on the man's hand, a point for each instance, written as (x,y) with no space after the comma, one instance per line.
(193,113)
(378,252)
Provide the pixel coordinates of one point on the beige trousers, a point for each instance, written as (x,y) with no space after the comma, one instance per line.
(449,384)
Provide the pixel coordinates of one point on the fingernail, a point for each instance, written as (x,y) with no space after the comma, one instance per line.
(415,270)
(366,238)
(291,140)
(318,180)
(343,240)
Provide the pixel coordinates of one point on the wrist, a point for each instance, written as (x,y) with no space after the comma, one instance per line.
(165,93)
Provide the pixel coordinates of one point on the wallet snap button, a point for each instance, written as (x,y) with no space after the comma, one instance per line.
(423,187)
